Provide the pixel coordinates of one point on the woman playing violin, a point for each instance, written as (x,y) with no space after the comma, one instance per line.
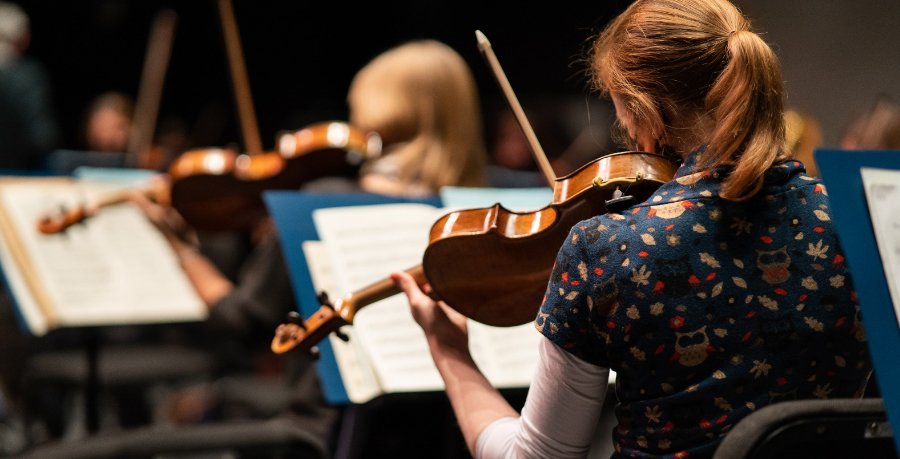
(722,293)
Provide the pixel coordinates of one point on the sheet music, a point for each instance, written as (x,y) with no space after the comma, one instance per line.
(115,268)
(882,187)
(393,237)
(357,375)
(506,356)
(383,239)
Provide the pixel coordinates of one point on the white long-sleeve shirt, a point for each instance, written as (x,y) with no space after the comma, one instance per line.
(560,413)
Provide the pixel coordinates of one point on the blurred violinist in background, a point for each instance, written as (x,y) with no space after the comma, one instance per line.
(803,136)
(421,99)
(107,123)
(875,129)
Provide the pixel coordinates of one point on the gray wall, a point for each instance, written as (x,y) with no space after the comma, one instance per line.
(837,56)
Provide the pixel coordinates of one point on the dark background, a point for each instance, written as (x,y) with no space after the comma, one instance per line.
(300,56)
(838,56)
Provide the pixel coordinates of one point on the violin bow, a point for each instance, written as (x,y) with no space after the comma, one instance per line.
(159,49)
(247,116)
(487,51)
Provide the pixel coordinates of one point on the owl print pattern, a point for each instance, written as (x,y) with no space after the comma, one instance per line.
(709,309)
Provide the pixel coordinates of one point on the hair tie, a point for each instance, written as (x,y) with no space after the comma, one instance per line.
(734,32)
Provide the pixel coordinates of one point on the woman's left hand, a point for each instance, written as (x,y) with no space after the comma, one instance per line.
(443,326)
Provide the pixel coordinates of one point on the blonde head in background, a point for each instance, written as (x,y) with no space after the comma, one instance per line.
(422,99)
(803,136)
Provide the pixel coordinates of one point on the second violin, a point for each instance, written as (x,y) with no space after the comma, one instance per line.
(218,189)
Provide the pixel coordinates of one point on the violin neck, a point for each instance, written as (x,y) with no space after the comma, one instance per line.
(348,306)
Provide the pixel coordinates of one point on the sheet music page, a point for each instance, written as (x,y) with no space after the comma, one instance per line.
(882,189)
(506,355)
(366,244)
(393,237)
(357,375)
(115,268)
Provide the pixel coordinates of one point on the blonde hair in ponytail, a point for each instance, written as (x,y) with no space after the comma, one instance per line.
(668,58)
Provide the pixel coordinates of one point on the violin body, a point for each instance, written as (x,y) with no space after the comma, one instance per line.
(220,190)
(492,264)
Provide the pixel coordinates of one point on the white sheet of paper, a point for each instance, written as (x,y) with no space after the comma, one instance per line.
(882,188)
(380,240)
(115,268)
(393,237)
(357,375)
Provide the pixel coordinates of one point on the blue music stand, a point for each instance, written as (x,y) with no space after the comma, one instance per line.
(292,213)
(843,182)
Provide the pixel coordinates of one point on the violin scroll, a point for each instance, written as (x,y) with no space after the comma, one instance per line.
(302,335)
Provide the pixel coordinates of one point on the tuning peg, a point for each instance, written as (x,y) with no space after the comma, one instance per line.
(294,318)
(323,299)
(343,336)
(314,353)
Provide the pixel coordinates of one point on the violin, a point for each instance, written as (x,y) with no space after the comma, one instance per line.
(219,190)
(492,264)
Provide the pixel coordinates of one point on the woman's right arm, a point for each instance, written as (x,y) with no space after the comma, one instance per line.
(563,405)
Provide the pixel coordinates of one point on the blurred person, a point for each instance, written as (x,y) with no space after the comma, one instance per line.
(420,97)
(803,136)
(875,129)
(28,129)
(107,123)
